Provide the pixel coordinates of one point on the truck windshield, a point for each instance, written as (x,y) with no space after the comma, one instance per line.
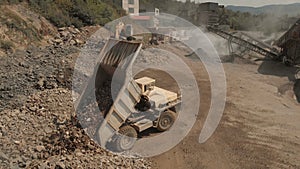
(148,87)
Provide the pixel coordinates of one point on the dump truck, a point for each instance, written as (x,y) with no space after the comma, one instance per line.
(140,106)
(138,103)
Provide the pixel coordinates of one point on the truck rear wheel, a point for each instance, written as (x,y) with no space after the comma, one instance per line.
(126,139)
(166,120)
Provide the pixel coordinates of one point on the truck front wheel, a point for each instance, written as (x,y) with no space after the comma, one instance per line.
(166,120)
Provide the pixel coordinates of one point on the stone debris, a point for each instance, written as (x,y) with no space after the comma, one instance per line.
(35,69)
(71,36)
(64,145)
(38,126)
(94,111)
(152,56)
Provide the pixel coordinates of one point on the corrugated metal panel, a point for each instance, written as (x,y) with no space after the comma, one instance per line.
(292,34)
(117,51)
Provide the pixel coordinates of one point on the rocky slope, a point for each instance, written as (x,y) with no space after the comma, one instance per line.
(38,127)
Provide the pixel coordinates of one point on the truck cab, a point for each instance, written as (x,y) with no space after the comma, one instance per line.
(146,84)
(157,96)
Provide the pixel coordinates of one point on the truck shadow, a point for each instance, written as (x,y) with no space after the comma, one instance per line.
(149,133)
(274,68)
(277,69)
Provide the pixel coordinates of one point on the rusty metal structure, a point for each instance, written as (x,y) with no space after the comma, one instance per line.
(208,13)
(290,45)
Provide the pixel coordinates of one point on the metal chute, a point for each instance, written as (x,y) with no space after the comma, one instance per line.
(115,61)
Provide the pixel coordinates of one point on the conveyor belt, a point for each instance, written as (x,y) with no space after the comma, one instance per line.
(268,52)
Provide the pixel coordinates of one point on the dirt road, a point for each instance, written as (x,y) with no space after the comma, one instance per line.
(260,127)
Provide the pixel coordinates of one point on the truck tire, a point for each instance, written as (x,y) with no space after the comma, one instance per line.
(297,90)
(126,140)
(166,120)
(287,61)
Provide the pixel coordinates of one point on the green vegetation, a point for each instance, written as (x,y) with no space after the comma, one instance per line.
(15,23)
(91,12)
(74,12)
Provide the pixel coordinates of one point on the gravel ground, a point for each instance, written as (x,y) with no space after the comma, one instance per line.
(38,126)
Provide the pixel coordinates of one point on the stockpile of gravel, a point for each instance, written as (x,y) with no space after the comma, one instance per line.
(93,110)
(152,56)
(38,125)
(35,69)
(44,134)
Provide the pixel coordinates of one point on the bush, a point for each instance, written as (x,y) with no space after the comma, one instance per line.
(76,12)
(17,24)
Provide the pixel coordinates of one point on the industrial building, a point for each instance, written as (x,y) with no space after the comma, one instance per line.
(132,7)
(290,45)
(208,13)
